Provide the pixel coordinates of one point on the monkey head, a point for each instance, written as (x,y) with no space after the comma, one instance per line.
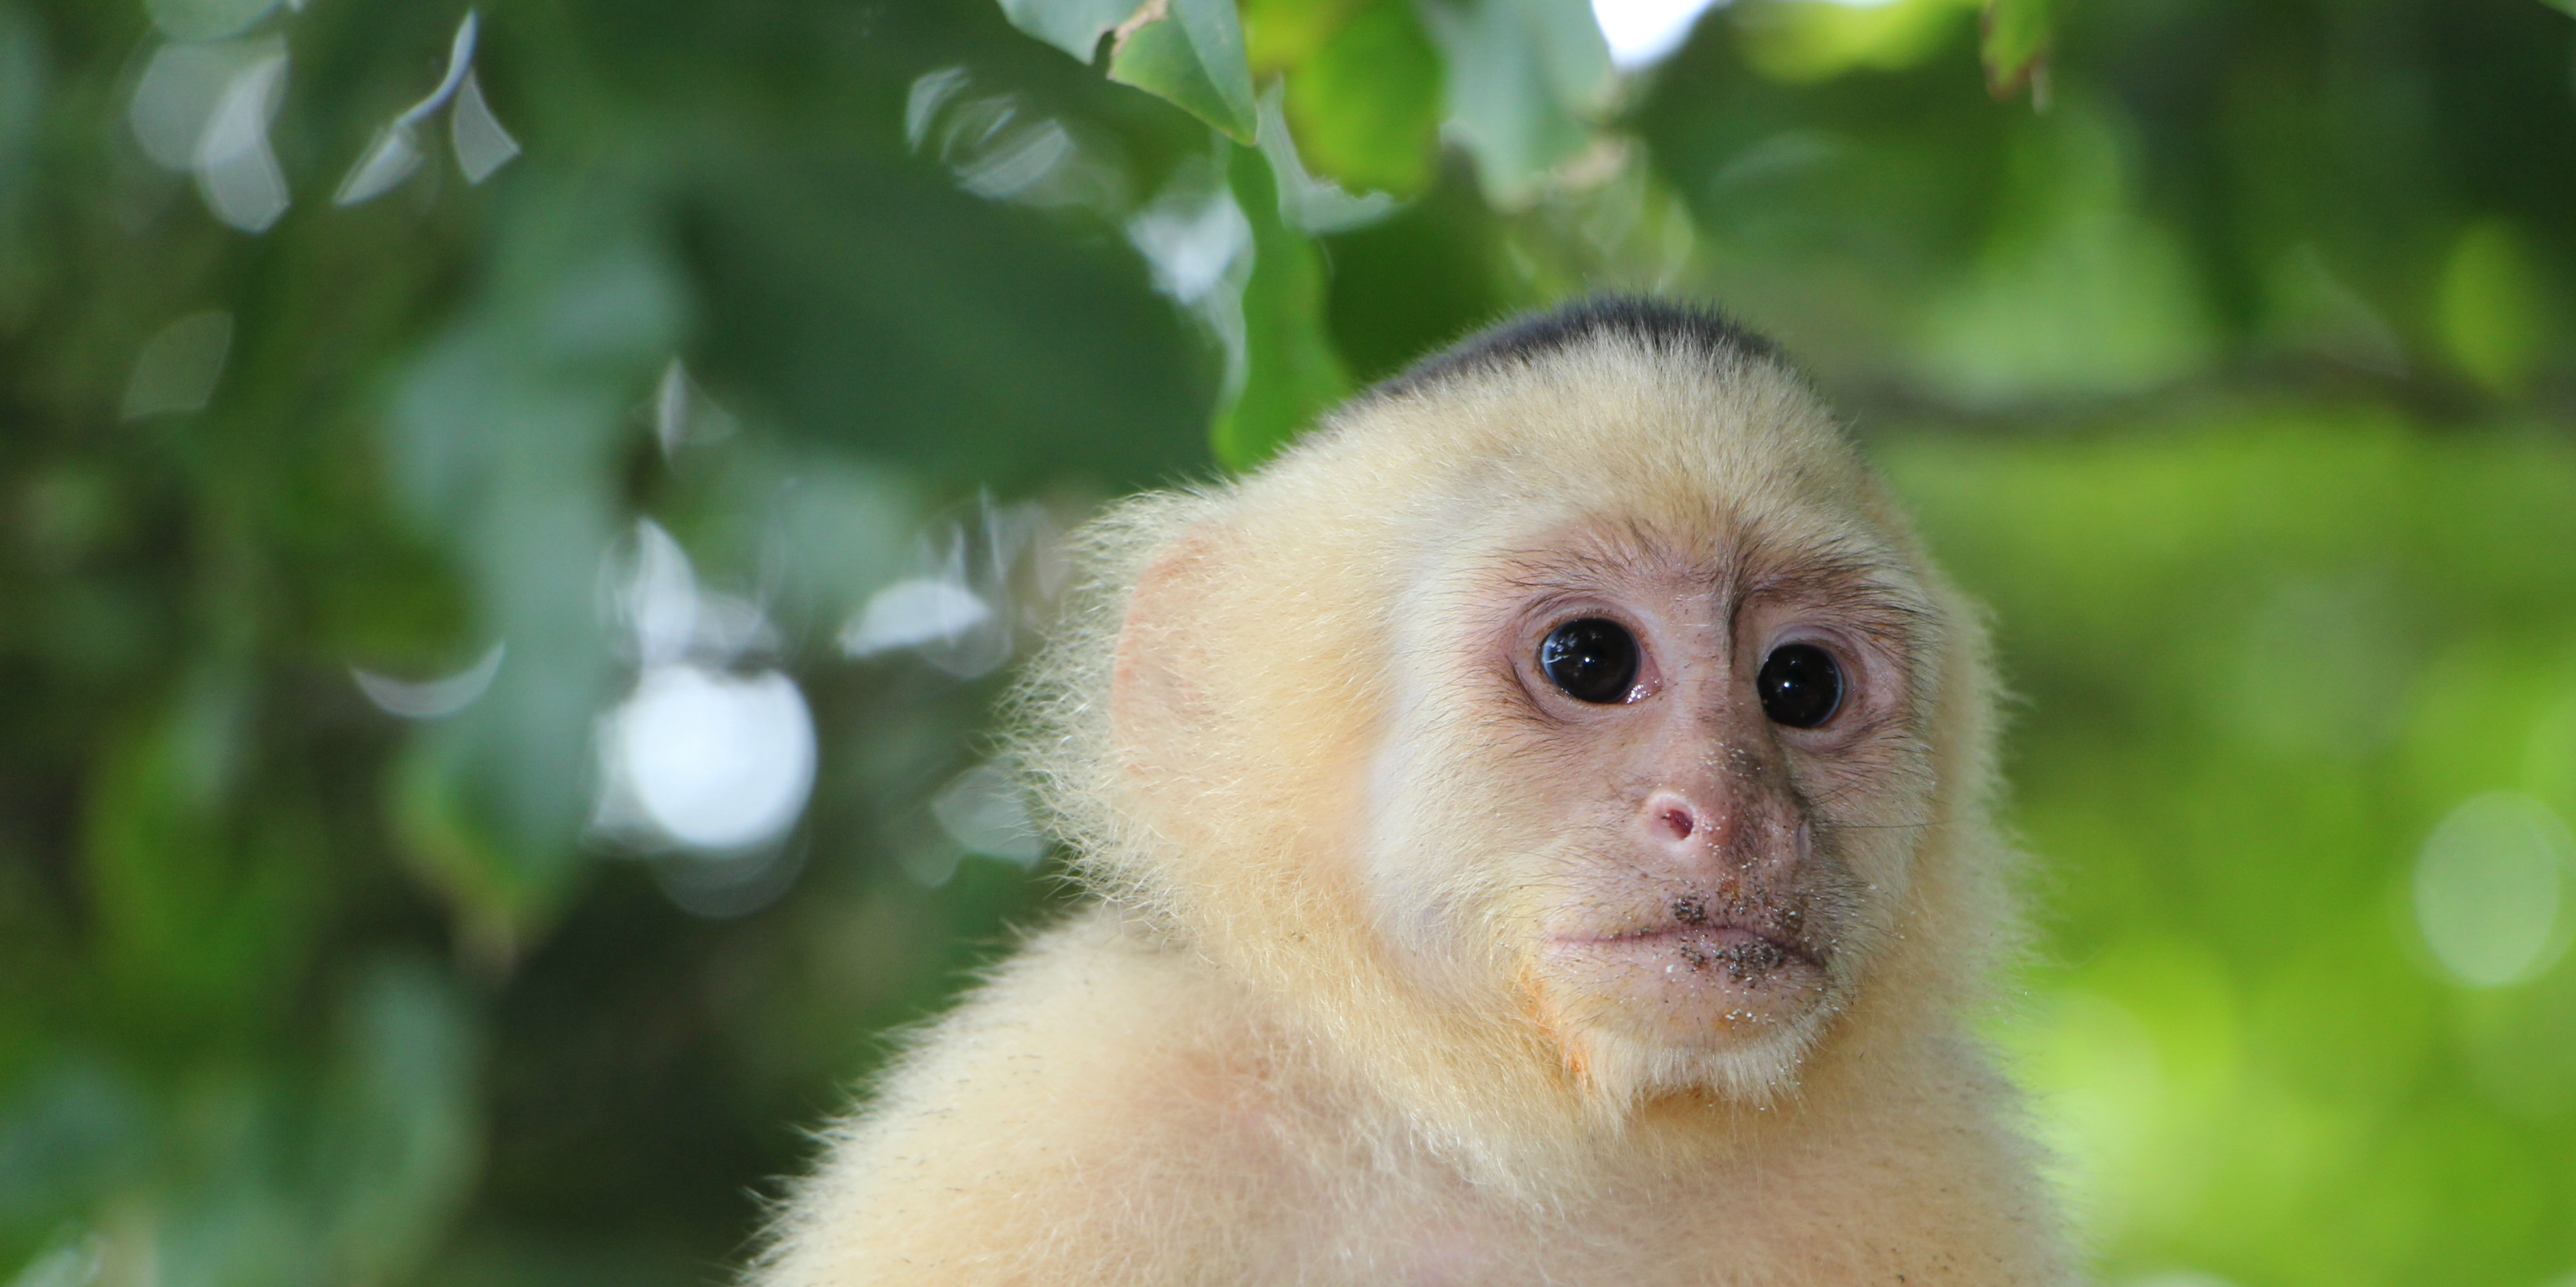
(1578,701)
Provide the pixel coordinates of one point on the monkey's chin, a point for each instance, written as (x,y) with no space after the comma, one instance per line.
(1713,1009)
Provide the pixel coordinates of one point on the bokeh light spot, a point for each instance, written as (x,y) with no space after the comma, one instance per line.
(712,760)
(985,812)
(482,146)
(912,612)
(177,369)
(2489,888)
(205,109)
(237,173)
(396,152)
(179,90)
(432,698)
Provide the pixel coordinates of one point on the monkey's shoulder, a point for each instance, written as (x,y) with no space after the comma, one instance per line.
(1107,1107)
(1086,1113)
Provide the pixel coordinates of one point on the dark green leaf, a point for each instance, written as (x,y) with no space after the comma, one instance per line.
(1291,372)
(1190,52)
(1074,26)
(204,898)
(398,1129)
(505,438)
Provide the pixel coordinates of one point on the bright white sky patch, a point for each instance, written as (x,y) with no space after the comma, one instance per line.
(1642,32)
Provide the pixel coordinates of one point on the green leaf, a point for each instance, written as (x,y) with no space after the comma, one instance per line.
(205,890)
(1074,26)
(2017,35)
(1525,80)
(1366,107)
(70,1130)
(1190,52)
(2492,309)
(506,437)
(1291,373)
(398,1127)
(500,893)
(1310,204)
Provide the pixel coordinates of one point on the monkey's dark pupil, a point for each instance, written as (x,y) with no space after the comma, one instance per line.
(1592,660)
(1800,685)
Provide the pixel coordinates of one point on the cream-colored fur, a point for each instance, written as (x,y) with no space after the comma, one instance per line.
(1297,1038)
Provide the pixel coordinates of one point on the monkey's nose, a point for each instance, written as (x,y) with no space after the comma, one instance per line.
(1681,826)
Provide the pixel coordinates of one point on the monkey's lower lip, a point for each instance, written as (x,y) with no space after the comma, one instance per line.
(1714,942)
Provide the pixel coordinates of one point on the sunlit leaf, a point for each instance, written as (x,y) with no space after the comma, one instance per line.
(1292,372)
(2015,46)
(1366,106)
(2494,314)
(1807,44)
(1190,52)
(1280,35)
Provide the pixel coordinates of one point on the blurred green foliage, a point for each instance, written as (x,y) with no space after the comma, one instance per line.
(2223,347)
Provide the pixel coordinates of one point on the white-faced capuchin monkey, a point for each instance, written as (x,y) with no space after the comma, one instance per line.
(1539,832)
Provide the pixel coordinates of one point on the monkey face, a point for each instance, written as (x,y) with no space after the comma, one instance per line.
(1680,784)
(1579,709)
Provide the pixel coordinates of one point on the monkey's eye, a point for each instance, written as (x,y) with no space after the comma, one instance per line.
(1592,660)
(1800,685)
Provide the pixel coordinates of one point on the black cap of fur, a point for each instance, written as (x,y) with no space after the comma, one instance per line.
(1658,323)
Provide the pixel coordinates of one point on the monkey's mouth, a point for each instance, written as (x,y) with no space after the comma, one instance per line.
(1743,936)
(1698,969)
(1756,950)
(1694,986)
(1744,951)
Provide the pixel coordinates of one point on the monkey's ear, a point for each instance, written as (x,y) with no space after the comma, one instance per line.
(1158,702)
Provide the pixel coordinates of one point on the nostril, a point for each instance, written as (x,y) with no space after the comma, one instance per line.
(1678,820)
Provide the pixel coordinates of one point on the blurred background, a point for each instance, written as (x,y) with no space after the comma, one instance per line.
(511,523)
